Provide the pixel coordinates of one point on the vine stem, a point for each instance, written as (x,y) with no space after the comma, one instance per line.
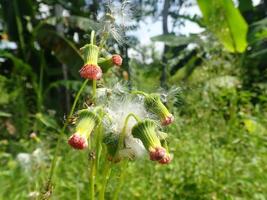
(61,134)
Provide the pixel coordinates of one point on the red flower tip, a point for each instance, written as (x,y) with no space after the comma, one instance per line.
(78,141)
(157,154)
(165,160)
(168,120)
(116,59)
(92,72)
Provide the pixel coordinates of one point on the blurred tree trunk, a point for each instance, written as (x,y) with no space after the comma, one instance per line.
(94,8)
(265,6)
(60,30)
(165,13)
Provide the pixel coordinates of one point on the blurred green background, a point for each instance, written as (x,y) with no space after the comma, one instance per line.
(214,80)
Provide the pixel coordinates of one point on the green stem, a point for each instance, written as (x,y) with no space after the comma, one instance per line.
(94,91)
(121,138)
(92,179)
(92,37)
(103,40)
(119,185)
(53,164)
(19,28)
(99,138)
(123,132)
(106,174)
(139,92)
(98,146)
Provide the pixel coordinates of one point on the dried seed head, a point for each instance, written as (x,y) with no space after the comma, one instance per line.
(116,59)
(92,72)
(154,105)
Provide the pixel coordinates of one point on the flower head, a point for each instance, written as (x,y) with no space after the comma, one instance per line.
(116,59)
(146,132)
(153,104)
(90,70)
(87,121)
(78,141)
(109,61)
(166,159)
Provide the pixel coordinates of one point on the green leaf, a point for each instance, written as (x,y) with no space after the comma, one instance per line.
(245,5)
(47,120)
(82,23)
(226,22)
(61,47)
(5,114)
(173,40)
(253,126)
(258,31)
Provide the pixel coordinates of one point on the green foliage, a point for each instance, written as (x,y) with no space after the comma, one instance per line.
(219,137)
(172,40)
(226,22)
(63,49)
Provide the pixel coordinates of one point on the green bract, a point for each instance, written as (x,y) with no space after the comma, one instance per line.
(105,63)
(87,121)
(154,105)
(90,54)
(146,132)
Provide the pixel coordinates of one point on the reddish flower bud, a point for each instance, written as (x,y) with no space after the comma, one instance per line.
(92,72)
(166,159)
(157,153)
(167,120)
(116,59)
(153,104)
(86,122)
(78,141)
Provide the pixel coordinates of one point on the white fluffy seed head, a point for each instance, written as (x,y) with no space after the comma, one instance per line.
(120,108)
(135,145)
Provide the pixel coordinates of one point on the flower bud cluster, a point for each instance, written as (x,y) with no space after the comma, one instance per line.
(132,131)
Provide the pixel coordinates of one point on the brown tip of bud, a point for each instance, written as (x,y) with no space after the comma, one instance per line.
(78,141)
(168,120)
(157,153)
(117,60)
(92,72)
